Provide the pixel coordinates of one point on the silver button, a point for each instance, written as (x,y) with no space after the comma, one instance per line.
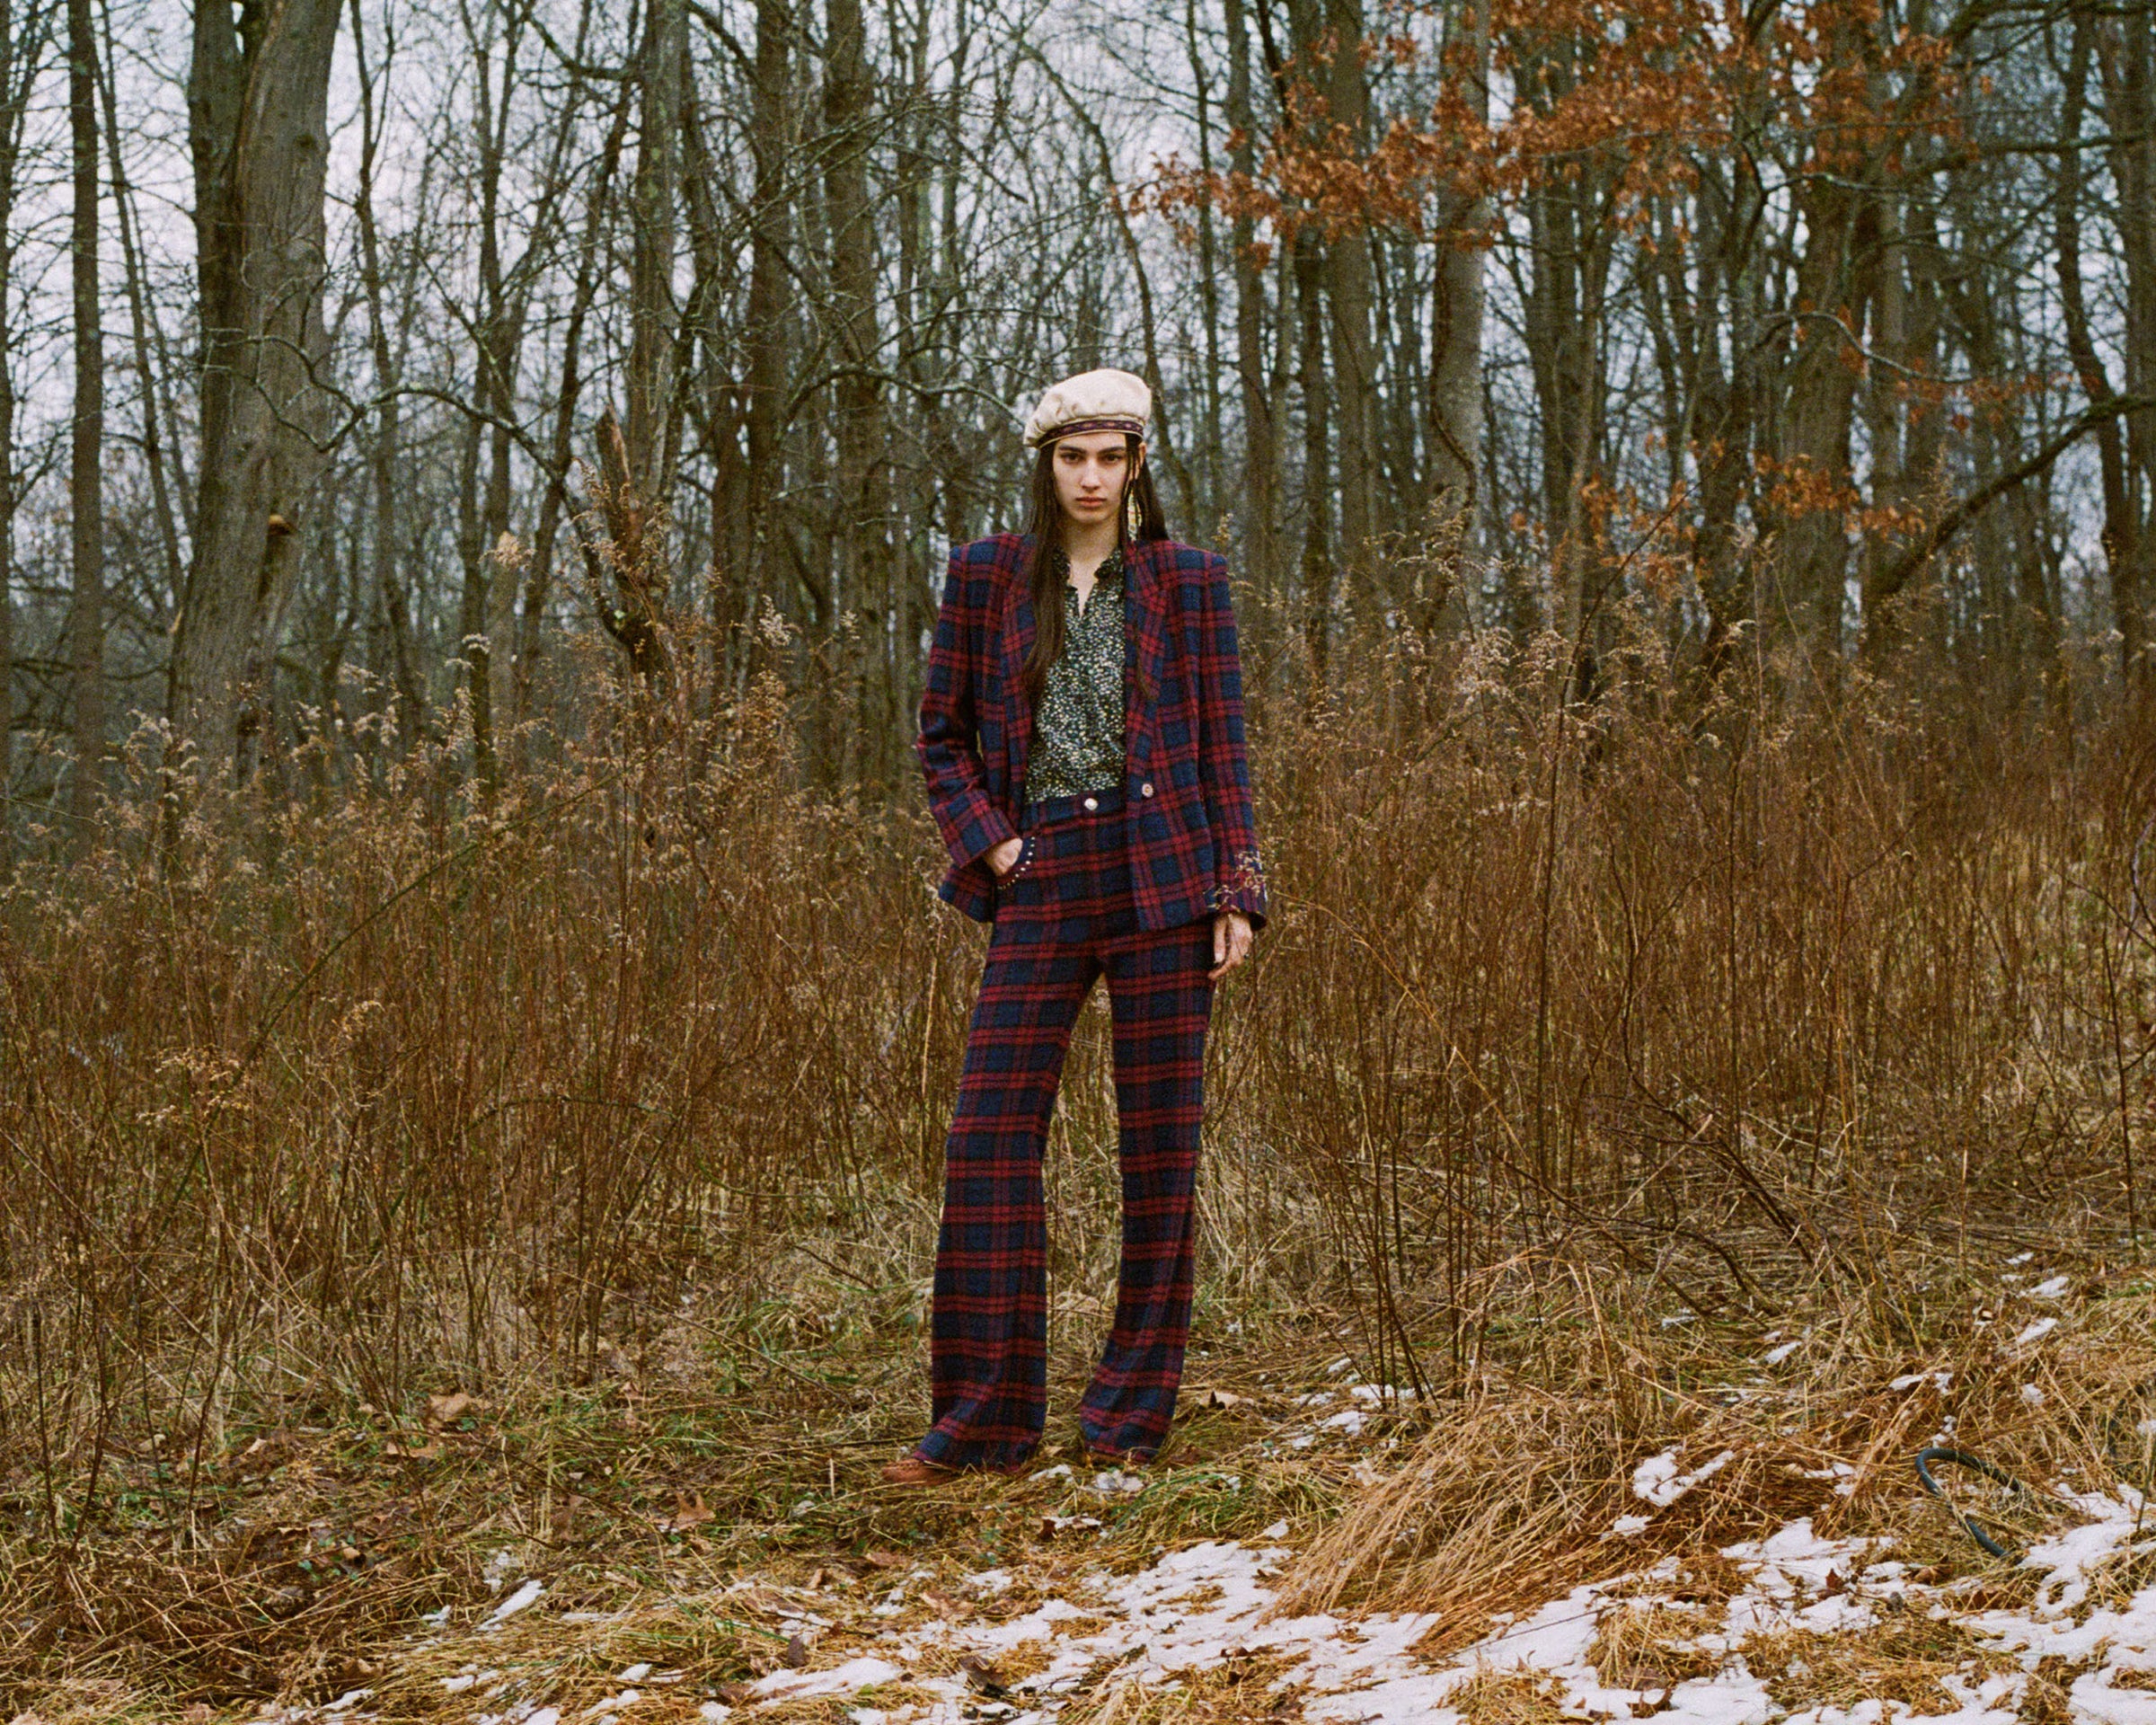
(1145,789)
(1092,802)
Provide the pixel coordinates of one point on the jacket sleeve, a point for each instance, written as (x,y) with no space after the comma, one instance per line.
(950,760)
(1222,765)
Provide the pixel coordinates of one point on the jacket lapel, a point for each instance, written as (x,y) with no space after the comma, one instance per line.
(1144,648)
(1014,641)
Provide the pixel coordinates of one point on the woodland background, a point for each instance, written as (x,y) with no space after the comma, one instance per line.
(1789,325)
(476,1031)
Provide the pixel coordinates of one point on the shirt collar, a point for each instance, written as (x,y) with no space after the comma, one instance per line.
(1110,572)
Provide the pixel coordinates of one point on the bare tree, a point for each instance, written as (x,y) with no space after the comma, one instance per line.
(258,123)
(21,56)
(85,482)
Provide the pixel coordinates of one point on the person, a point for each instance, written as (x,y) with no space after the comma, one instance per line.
(1081,737)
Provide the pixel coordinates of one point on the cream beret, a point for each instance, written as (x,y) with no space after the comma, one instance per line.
(1093,401)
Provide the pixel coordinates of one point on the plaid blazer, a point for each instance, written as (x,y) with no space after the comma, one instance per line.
(1194,842)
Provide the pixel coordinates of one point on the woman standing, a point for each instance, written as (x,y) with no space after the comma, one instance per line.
(1082,736)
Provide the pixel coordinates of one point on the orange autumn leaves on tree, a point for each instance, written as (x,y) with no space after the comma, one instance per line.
(1635,93)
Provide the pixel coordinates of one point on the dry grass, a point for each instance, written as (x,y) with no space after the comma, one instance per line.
(1237,1690)
(1901,1658)
(1584,1052)
(1509,1697)
(1652,1646)
(1515,1492)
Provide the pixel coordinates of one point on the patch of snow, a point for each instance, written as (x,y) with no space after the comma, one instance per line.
(1658,1481)
(2053,1289)
(1654,1473)
(2036,1331)
(522,1599)
(840,1679)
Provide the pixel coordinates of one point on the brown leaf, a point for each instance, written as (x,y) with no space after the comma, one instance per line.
(884,1559)
(736,1694)
(945,1608)
(796,1652)
(1222,1399)
(427,1452)
(982,1675)
(445,1409)
(689,1511)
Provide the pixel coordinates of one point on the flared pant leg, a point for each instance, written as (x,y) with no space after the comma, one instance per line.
(989,1330)
(1161,1000)
(988,1365)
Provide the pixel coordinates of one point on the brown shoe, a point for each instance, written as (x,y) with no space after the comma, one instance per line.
(913,1470)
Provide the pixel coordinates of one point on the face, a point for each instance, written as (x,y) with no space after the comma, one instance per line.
(1092,469)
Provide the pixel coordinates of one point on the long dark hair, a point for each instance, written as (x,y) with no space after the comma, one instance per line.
(1042,581)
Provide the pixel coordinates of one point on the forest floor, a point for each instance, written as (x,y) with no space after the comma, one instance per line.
(636,1553)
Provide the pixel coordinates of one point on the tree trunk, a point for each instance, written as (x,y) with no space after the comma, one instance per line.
(765,336)
(147,377)
(20,53)
(2126,58)
(1348,295)
(1209,463)
(862,577)
(389,597)
(1261,437)
(1455,425)
(85,484)
(538,581)
(654,201)
(1317,478)
(258,124)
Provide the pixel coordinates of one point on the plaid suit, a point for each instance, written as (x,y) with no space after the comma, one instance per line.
(1118,884)
(1193,839)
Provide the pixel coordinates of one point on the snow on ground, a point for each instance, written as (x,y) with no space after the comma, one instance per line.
(1209,1604)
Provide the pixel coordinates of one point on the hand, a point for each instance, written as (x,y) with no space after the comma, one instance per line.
(1002,858)
(1231,942)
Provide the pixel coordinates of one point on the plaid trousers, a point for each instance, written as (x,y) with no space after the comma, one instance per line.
(1064,917)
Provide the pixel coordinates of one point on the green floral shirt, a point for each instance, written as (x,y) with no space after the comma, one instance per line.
(1078,727)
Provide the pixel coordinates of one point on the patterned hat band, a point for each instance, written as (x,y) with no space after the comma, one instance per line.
(1078,427)
(1107,399)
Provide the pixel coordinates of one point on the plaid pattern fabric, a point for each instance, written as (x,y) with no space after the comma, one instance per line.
(1193,838)
(1066,918)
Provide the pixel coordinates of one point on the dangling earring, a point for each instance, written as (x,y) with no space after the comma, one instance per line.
(1131,517)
